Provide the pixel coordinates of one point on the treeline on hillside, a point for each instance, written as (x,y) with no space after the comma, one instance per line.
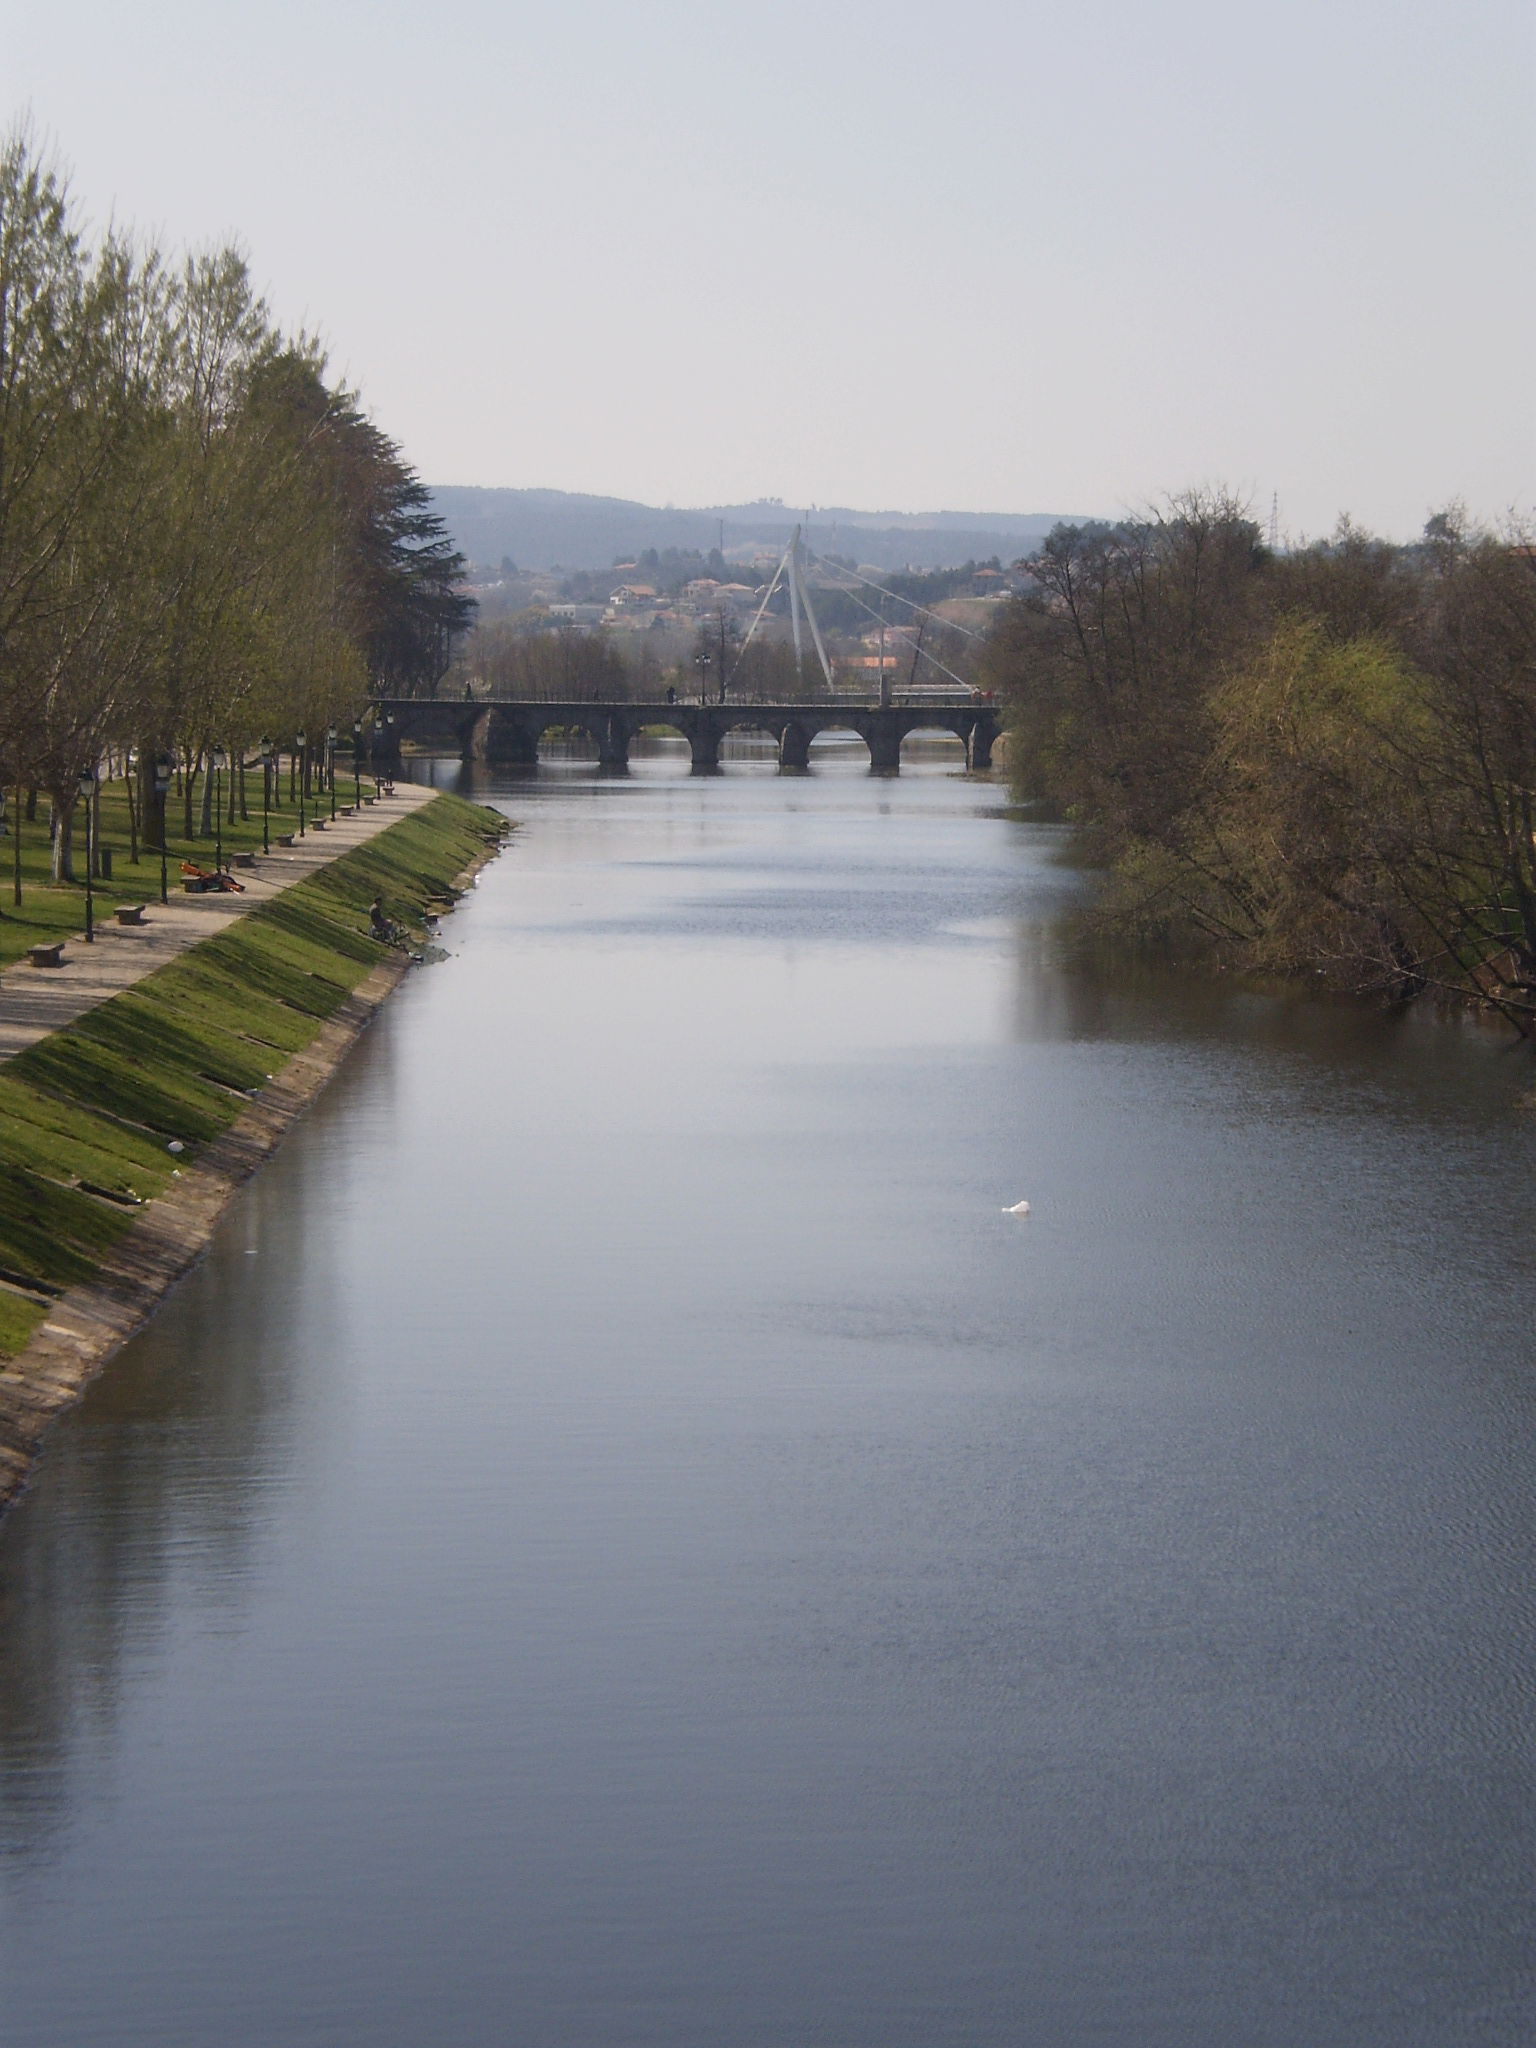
(201,541)
(933,586)
(666,570)
(1322,761)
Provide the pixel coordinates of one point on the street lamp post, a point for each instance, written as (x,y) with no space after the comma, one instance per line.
(300,742)
(218,810)
(266,795)
(330,749)
(163,766)
(357,764)
(703,663)
(87,797)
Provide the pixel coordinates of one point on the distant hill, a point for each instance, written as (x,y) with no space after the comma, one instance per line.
(567,530)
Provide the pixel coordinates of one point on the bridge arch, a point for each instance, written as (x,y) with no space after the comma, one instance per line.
(752,718)
(517,734)
(936,728)
(753,723)
(668,727)
(663,724)
(834,727)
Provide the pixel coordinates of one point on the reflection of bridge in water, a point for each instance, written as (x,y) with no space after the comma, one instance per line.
(508,732)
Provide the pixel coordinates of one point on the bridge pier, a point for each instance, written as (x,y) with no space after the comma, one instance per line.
(473,737)
(704,745)
(507,741)
(794,749)
(613,736)
(883,737)
(978,747)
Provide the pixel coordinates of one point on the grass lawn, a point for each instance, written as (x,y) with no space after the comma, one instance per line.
(87,1113)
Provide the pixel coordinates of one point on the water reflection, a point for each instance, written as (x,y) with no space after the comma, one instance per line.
(148,1501)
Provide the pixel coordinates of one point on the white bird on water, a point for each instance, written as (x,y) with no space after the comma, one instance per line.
(1018,1209)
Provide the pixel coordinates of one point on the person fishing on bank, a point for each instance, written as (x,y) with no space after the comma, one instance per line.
(383,928)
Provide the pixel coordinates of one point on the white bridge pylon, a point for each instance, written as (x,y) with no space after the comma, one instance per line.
(791,570)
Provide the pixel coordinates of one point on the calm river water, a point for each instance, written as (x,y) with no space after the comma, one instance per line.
(623,1542)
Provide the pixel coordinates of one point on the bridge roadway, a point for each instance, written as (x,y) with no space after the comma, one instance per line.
(509,731)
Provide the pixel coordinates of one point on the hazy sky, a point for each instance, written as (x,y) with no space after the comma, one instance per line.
(1009,257)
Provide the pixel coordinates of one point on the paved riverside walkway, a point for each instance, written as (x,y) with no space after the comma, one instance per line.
(37,1000)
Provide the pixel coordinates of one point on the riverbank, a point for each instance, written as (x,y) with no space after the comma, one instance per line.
(126,1133)
(34,1003)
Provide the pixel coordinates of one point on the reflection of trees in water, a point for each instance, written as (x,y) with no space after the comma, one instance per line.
(155,1479)
(1070,983)
(1073,983)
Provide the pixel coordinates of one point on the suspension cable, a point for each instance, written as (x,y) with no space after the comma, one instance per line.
(928,612)
(919,649)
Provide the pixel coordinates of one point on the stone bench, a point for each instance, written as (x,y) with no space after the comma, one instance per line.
(129,913)
(242,860)
(47,956)
(285,839)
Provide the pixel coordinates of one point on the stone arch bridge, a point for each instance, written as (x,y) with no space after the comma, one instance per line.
(509,732)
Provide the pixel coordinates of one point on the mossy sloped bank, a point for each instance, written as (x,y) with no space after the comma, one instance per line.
(216,1053)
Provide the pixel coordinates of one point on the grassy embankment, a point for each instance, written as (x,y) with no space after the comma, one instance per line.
(87,1113)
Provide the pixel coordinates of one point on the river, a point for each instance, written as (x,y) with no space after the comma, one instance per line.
(623,1541)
